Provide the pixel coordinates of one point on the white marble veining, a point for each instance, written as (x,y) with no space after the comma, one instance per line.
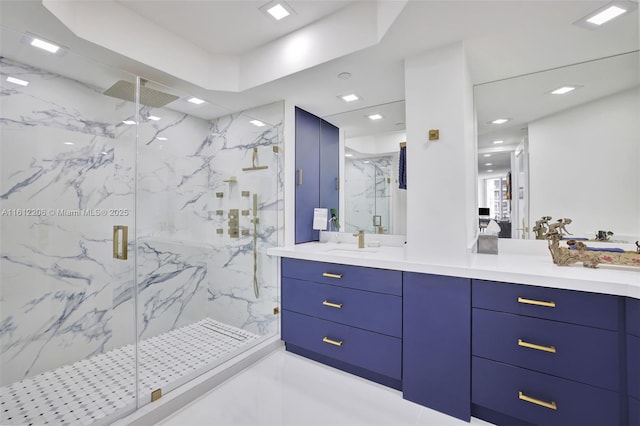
(367,192)
(519,267)
(65,155)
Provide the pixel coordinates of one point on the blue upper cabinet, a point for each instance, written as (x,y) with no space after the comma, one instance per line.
(329,165)
(316,171)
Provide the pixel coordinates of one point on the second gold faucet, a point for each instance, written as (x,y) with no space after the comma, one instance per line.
(360,236)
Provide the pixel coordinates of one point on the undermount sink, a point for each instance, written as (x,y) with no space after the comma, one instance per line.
(353,251)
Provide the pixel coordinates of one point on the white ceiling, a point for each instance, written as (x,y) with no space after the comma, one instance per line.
(502,39)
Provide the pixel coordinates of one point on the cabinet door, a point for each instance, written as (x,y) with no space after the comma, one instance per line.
(437,343)
(307,174)
(329,165)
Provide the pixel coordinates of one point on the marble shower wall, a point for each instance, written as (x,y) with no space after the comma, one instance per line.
(368,192)
(67,156)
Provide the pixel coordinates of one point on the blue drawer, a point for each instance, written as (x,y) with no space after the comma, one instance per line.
(377,312)
(634,412)
(633,365)
(592,309)
(371,351)
(585,354)
(497,386)
(370,279)
(633,316)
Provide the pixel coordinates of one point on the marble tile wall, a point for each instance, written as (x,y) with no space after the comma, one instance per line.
(68,175)
(367,192)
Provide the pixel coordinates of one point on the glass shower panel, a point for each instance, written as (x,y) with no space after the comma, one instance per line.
(67,178)
(209,205)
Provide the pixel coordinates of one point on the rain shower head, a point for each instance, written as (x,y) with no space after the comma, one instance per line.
(150,97)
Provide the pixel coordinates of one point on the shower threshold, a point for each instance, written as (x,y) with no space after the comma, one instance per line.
(96,390)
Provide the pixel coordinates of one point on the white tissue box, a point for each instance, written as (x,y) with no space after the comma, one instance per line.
(487,244)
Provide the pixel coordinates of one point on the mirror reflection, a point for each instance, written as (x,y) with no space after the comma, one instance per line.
(568,148)
(372,199)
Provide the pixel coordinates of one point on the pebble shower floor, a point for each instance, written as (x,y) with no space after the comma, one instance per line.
(91,390)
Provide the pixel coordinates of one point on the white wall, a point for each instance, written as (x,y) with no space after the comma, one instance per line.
(585,165)
(441,175)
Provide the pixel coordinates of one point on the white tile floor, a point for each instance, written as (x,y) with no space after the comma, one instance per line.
(286,389)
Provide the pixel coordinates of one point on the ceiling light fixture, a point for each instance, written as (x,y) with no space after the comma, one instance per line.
(129,122)
(500,120)
(606,13)
(344,75)
(488,164)
(489,171)
(374,117)
(348,155)
(563,90)
(162,138)
(17,81)
(41,43)
(153,118)
(257,123)
(350,97)
(196,101)
(497,142)
(277,9)
(487,155)
(69,143)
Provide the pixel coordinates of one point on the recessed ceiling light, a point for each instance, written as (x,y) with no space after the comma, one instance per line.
(162,138)
(153,117)
(488,164)
(374,117)
(500,120)
(257,123)
(344,75)
(129,122)
(350,97)
(277,9)
(562,90)
(45,45)
(497,142)
(490,170)
(348,155)
(196,101)
(17,81)
(606,13)
(69,143)
(487,155)
(366,162)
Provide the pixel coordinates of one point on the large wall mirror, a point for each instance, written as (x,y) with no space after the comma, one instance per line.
(372,198)
(569,148)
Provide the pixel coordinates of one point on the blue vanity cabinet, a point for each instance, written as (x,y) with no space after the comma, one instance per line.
(316,179)
(345,316)
(633,359)
(545,356)
(436,342)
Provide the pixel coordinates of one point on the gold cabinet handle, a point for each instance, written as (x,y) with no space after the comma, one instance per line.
(328,275)
(332,342)
(551,405)
(332,305)
(117,254)
(536,302)
(299,176)
(524,344)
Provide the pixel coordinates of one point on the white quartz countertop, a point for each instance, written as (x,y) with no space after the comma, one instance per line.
(513,267)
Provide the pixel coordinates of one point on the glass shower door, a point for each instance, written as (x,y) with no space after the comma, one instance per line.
(67,191)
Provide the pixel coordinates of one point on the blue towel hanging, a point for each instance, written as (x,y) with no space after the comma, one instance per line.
(402,173)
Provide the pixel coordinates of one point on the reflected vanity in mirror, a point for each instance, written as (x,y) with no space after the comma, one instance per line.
(371,197)
(568,148)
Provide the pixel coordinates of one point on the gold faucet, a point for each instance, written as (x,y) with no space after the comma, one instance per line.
(360,236)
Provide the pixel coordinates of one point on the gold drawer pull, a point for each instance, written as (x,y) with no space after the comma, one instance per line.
(332,305)
(536,302)
(332,342)
(326,274)
(551,405)
(551,349)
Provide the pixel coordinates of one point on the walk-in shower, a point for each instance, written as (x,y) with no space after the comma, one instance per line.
(87,334)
